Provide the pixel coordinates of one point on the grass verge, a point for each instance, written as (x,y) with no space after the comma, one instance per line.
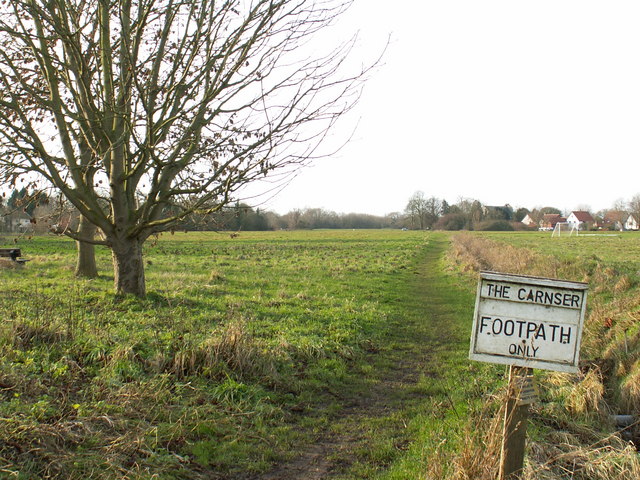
(572,433)
(237,356)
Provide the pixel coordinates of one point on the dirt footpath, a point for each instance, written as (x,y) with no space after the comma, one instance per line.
(339,446)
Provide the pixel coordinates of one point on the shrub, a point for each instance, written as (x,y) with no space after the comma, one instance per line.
(495,226)
(451,221)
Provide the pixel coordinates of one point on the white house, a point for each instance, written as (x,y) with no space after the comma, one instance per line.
(631,223)
(620,220)
(20,224)
(580,220)
(528,221)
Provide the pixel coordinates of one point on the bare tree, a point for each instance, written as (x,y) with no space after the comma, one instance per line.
(142,112)
(415,210)
(423,212)
(433,211)
(634,207)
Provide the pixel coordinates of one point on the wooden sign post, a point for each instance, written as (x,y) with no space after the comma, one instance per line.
(525,322)
(514,432)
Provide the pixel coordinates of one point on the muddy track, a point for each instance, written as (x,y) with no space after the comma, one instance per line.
(331,454)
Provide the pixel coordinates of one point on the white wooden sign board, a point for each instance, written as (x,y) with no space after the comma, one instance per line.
(528,321)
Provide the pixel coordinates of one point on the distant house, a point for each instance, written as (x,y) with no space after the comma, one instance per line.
(549,221)
(580,220)
(529,221)
(18,222)
(603,223)
(631,223)
(21,224)
(614,220)
(619,220)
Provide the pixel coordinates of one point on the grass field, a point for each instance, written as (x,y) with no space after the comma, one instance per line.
(619,250)
(323,354)
(245,350)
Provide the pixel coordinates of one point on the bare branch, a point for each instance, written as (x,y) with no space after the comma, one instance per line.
(157,101)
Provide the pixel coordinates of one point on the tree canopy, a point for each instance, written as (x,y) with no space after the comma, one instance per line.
(142,112)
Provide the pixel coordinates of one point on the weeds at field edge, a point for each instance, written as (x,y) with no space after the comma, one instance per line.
(571,431)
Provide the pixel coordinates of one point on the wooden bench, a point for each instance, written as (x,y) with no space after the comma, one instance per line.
(14,254)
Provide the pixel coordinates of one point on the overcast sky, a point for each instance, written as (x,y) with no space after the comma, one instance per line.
(526,103)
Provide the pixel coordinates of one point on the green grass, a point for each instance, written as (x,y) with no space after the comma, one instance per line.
(620,250)
(450,387)
(250,352)
(242,350)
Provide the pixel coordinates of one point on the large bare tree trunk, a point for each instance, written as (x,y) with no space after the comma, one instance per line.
(128,267)
(86,264)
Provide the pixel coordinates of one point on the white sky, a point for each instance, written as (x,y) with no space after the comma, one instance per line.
(527,103)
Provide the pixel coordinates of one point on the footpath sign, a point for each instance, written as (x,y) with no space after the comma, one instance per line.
(528,321)
(525,322)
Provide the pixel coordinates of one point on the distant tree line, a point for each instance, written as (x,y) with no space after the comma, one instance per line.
(35,212)
(39,212)
(426,213)
(242,217)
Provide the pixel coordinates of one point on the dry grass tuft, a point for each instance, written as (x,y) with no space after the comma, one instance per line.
(473,253)
(230,347)
(216,277)
(587,396)
(567,459)
(25,335)
(478,458)
(630,390)
(624,284)
(6,263)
